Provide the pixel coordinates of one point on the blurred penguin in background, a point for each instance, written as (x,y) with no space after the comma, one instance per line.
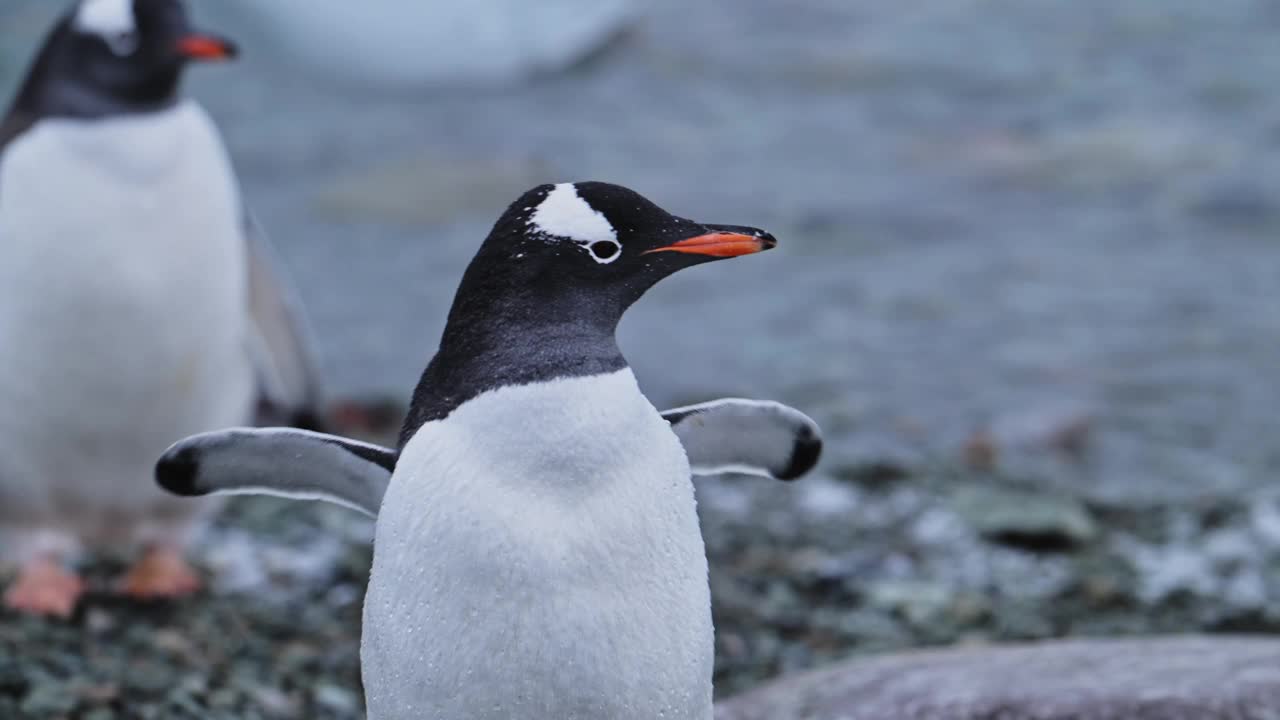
(138,302)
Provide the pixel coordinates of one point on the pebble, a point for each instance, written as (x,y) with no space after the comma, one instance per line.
(1026,519)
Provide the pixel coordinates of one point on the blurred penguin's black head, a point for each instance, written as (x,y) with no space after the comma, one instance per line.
(116,56)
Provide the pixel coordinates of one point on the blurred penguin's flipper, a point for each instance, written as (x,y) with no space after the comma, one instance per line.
(280,345)
(753,437)
(283,462)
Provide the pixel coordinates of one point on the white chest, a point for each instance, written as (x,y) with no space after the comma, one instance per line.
(120,210)
(123,300)
(127,231)
(538,555)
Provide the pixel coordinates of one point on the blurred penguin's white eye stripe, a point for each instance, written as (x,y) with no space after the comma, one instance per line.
(108,18)
(564,214)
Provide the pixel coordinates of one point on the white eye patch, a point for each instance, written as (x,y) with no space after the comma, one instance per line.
(111,19)
(564,214)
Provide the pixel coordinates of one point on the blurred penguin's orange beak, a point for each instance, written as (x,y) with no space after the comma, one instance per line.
(197,46)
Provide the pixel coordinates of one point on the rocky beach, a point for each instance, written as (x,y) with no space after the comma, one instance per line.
(1027,280)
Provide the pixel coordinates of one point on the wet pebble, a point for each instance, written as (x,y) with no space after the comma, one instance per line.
(1031,520)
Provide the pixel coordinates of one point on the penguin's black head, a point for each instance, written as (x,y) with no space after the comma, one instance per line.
(543,297)
(601,244)
(117,56)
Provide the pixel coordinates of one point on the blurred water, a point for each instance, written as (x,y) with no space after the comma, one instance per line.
(984,207)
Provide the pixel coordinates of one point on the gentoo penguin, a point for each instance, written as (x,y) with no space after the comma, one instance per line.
(733,435)
(537,552)
(137,303)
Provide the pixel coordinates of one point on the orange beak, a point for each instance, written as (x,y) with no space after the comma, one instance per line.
(206,47)
(720,244)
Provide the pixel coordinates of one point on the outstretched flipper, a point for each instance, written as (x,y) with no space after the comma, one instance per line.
(743,436)
(753,437)
(284,462)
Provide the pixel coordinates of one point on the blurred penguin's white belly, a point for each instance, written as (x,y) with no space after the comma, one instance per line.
(122,310)
(538,555)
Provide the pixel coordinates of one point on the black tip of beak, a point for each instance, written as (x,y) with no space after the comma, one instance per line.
(766,239)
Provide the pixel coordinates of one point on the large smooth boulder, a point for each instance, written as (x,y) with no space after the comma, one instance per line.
(433,42)
(1181,678)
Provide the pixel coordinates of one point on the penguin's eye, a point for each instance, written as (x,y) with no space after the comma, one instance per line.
(605,251)
(123,43)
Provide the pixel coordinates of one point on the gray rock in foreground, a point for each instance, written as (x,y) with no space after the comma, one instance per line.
(1191,678)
